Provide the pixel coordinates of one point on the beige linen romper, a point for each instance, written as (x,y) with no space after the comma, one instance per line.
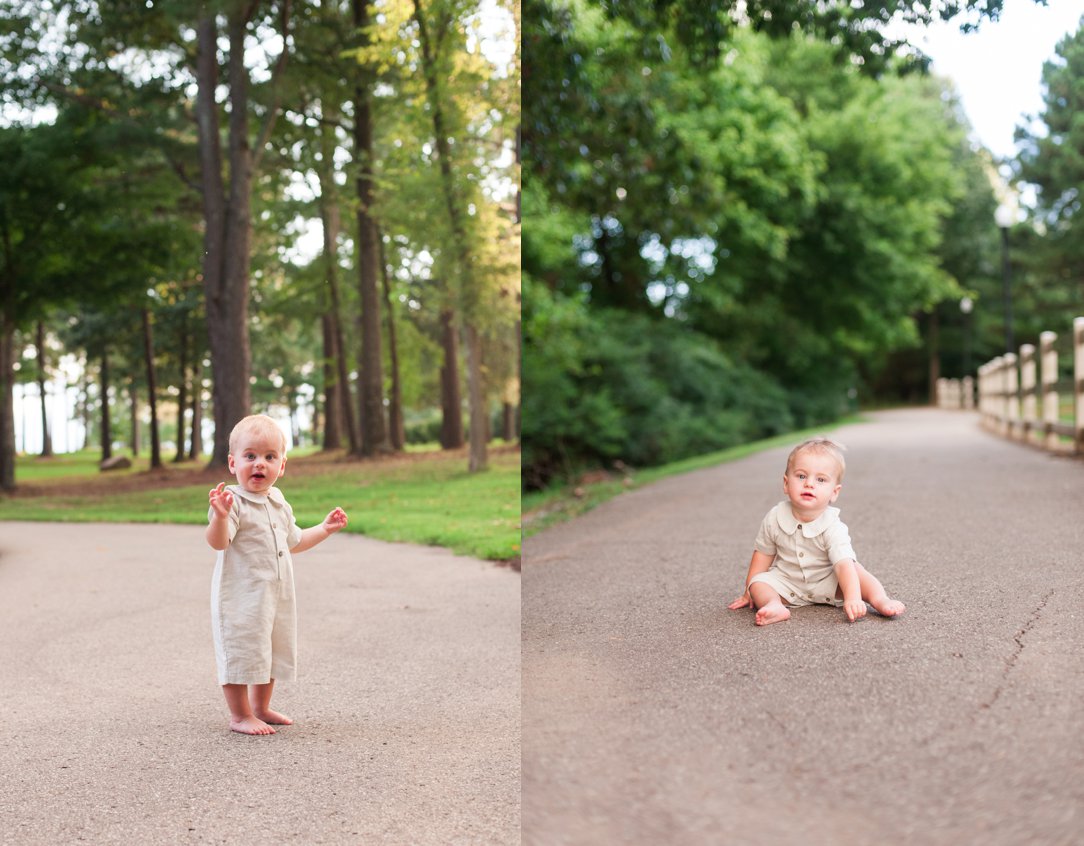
(805,555)
(253,610)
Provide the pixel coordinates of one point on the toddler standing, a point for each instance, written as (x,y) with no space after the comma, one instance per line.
(253,610)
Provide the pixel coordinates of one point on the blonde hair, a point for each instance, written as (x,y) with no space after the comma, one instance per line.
(260,425)
(821,446)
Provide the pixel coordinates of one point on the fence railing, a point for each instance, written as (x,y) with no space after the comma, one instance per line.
(1022,397)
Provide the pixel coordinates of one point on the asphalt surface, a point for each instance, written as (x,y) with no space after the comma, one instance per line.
(652,714)
(407,704)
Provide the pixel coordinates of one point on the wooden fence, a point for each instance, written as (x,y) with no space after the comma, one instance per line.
(1018,395)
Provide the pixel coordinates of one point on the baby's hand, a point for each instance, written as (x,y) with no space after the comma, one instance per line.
(334,521)
(742,601)
(221,500)
(854,609)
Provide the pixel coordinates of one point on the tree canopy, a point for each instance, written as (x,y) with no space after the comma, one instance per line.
(776,185)
(179,154)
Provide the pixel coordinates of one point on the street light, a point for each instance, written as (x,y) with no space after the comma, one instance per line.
(1005,217)
(966,305)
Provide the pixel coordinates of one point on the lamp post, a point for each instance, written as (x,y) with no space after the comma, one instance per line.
(1005,216)
(966,304)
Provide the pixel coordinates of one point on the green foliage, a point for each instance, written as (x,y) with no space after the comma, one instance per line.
(701,28)
(1051,158)
(423,428)
(1048,253)
(723,242)
(603,386)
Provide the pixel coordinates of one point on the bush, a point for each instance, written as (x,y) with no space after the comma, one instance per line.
(423,428)
(607,385)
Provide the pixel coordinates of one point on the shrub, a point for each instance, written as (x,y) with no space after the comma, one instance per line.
(606,385)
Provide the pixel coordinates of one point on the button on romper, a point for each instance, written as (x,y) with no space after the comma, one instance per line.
(253,609)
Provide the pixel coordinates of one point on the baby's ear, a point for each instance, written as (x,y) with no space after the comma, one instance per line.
(282,470)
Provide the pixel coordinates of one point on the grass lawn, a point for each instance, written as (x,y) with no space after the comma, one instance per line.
(424,497)
(542,509)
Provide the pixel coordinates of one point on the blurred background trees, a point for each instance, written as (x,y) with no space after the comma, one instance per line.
(257,193)
(742,222)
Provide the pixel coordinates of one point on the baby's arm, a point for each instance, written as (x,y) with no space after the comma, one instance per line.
(759,564)
(853,604)
(218,530)
(335,520)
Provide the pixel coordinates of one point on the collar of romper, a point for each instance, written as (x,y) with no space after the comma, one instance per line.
(789,523)
(273,495)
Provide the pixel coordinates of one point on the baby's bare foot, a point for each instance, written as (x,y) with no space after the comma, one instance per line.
(274,718)
(250,725)
(773,612)
(889,607)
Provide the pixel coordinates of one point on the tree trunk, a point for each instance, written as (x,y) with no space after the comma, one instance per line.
(7,401)
(374,436)
(295,425)
(133,398)
(468,285)
(107,430)
(46,438)
(508,422)
(451,423)
(511,423)
(329,215)
(84,402)
(934,338)
(227,230)
(479,422)
(395,412)
(182,397)
(197,409)
(152,389)
(332,393)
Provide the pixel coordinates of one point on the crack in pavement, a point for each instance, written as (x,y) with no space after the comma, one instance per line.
(1018,639)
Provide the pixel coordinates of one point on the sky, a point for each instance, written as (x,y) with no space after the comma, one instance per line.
(998,69)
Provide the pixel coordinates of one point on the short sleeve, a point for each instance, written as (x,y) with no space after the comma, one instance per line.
(838,543)
(293,534)
(765,541)
(235,516)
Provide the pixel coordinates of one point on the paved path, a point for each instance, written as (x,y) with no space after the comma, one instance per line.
(113,730)
(652,714)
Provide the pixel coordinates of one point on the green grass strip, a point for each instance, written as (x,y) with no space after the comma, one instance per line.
(431,500)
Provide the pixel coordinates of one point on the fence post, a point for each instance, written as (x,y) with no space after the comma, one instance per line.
(1027,390)
(986,392)
(1048,377)
(1078,383)
(997,393)
(1012,397)
(969,393)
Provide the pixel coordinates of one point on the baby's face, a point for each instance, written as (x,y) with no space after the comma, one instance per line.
(258,463)
(811,484)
